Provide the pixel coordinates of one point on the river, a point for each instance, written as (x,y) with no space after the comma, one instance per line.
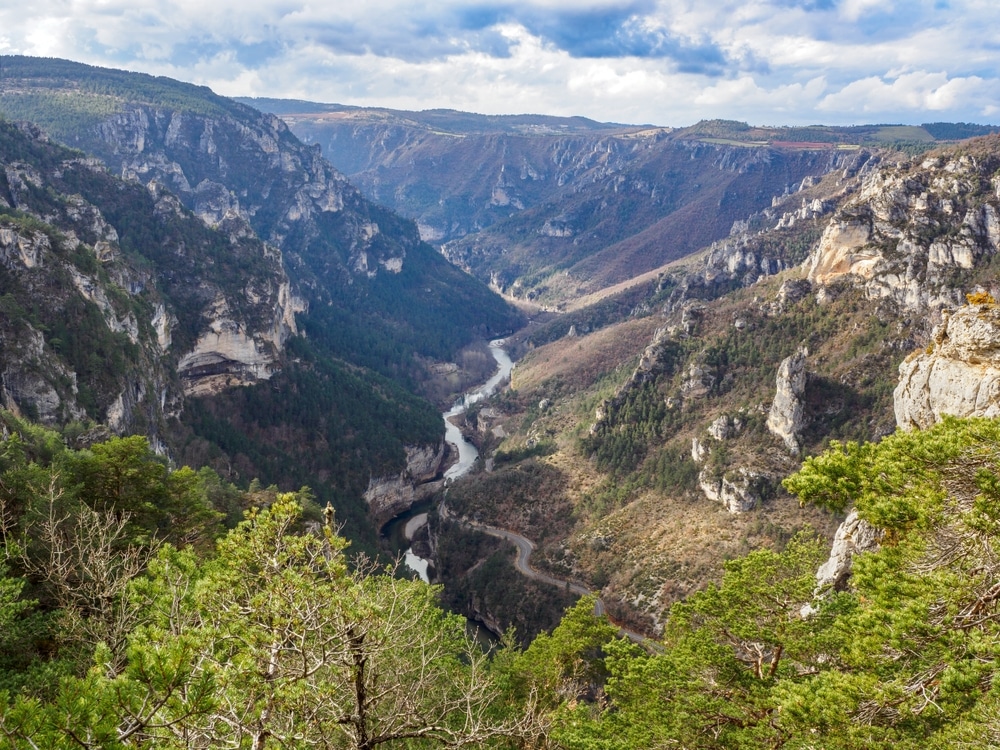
(407,524)
(467,453)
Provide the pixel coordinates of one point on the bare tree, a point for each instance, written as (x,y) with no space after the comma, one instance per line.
(86,560)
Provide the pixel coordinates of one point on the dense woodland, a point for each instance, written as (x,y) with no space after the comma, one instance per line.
(133,617)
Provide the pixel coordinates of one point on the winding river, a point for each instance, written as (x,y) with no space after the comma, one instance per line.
(467,456)
(467,453)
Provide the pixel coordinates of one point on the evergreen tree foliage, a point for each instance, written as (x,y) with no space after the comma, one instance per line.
(272,639)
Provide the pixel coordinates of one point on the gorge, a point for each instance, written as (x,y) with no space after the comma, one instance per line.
(465,453)
(712,304)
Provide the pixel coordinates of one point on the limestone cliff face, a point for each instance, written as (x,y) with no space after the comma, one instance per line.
(245,167)
(787,416)
(779,237)
(195,157)
(911,228)
(30,378)
(739,489)
(230,353)
(958,375)
(391,495)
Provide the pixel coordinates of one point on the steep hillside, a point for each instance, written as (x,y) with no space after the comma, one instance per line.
(123,312)
(118,302)
(368,281)
(671,412)
(282,245)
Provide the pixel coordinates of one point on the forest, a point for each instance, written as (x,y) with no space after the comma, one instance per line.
(136,613)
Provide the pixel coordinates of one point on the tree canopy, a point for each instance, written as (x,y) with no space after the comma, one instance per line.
(271,635)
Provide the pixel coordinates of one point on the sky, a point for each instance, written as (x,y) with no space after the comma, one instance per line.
(662,62)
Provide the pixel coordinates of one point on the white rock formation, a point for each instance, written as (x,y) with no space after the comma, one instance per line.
(958,375)
(738,490)
(27,381)
(91,290)
(227,354)
(723,428)
(854,536)
(699,451)
(787,416)
(22,248)
(907,231)
(391,495)
(842,250)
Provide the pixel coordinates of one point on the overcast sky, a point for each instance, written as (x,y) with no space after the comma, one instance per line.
(665,62)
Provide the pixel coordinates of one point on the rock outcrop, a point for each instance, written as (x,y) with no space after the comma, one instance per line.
(854,536)
(958,374)
(134,300)
(389,496)
(910,229)
(230,354)
(739,490)
(787,415)
(244,168)
(27,386)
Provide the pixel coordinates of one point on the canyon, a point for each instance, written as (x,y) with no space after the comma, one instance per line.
(708,307)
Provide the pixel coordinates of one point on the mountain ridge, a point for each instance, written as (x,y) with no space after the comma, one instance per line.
(542,215)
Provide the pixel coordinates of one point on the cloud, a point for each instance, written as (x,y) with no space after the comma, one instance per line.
(917,91)
(620,31)
(655,61)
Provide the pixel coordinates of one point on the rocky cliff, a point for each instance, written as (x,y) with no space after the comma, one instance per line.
(388,496)
(959,372)
(200,246)
(117,306)
(957,375)
(918,235)
(912,227)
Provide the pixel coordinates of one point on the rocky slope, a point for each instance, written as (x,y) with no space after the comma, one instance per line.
(94,328)
(716,378)
(223,252)
(957,375)
(913,228)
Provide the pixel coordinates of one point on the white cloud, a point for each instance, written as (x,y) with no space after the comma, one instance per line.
(766,61)
(918,91)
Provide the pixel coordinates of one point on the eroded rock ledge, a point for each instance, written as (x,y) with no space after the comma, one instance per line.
(958,374)
(389,496)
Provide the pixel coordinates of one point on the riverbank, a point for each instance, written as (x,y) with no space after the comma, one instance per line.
(467,453)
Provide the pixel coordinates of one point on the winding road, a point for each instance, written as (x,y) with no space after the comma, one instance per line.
(468,455)
(524,549)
